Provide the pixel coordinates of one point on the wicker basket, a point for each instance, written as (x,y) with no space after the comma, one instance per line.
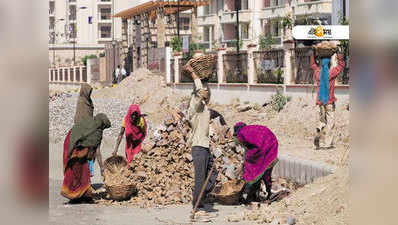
(204,66)
(232,199)
(229,193)
(325,52)
(121,192)
(114,162)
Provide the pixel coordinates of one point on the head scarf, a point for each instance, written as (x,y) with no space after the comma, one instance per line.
(85,106)
(88,132)
(237,128)
(134,132)
(324,81)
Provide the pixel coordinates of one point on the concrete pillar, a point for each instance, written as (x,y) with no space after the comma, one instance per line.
(49,74)
(177,57)
(289,71)
(80,68)
(74,75)
(124,40)
(251,72)
(194,25)
(211,38)
(70,75)
(220,65)
(89,71)
(168,63)
(161,29)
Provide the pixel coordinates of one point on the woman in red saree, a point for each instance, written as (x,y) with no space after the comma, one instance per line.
(81,145)
(134,125)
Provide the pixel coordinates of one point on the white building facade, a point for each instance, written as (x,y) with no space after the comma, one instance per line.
(256,17)
(87,23)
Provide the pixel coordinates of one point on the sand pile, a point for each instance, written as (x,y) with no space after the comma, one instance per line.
(146,89)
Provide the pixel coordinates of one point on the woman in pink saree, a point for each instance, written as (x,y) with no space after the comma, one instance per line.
(134,126)
(261,155)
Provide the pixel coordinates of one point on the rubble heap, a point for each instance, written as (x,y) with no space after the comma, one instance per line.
(163,170)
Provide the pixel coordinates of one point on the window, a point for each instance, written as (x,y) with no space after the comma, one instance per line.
(105,13)
(206,34)
(277,2)
(105,31)
(220,5)
(52,8)
(267,3)
(72,12)
(245,4)
(244,30)
(72,30)
(184,23)
(206,10)
(276,29)
(52,23)
(273,3)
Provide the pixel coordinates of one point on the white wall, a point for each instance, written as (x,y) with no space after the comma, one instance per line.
(224,94)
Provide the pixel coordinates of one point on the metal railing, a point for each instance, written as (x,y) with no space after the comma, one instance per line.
(304,72)
(232,62)
(268,66)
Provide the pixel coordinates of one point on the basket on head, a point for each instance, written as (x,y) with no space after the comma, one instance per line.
(325,52)
(114,162)
(121,192)
(326,48)
(204,66)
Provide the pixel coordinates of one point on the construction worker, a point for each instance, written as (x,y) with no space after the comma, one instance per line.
(326,79)
(199,119)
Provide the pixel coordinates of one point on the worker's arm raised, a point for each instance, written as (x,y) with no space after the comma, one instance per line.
(119,139)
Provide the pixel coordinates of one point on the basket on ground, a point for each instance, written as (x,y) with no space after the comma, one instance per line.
(204,66)
(121,192)
(229,193)
(116,180)
(115,162)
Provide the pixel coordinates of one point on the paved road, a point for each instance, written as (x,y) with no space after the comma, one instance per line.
(62,213)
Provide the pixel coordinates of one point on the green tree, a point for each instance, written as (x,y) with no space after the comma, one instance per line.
(266,42)
(176,44)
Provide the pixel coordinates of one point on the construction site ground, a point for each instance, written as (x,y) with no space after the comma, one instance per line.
(322,202)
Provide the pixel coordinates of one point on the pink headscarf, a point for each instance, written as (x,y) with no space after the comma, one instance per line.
(134,134)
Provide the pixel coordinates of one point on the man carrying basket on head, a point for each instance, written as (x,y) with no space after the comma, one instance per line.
(199,120)
(326,78)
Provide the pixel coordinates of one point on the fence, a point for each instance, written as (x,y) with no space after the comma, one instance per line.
(76,74)
(186,77)
(287,66)
(232,63)
(268,66)
(344,77)
(157,60)
(304,72)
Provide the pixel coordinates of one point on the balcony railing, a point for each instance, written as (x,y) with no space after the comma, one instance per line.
(105,16)
(105,2)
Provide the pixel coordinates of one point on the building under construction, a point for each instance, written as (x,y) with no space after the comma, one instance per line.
(153,25)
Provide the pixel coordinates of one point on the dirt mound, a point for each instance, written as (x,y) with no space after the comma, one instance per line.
(146,89)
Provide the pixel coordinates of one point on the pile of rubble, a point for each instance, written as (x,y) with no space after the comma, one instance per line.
(163,171)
